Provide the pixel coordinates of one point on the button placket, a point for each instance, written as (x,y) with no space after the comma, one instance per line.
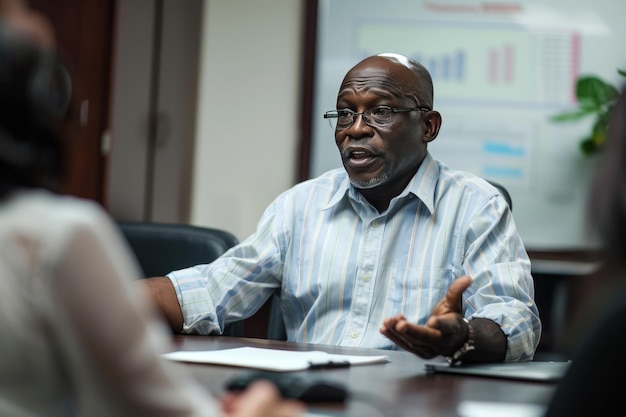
(365,283)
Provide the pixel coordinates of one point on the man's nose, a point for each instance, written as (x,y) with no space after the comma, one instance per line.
(360,122)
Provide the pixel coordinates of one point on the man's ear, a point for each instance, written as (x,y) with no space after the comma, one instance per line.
(432,123)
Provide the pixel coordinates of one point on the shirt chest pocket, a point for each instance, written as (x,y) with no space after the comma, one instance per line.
(414,292)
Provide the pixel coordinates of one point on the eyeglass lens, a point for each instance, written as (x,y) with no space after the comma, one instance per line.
(376,117)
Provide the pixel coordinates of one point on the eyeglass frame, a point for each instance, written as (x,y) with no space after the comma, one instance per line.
(334,114)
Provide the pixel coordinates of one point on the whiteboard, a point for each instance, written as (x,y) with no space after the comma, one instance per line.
(500,70)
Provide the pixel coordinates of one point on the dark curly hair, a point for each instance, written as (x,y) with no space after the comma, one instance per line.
(34,94)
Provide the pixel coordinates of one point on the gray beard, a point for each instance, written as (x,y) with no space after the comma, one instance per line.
(374,182)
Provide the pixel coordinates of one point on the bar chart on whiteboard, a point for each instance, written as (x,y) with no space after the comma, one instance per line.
(483,62)
(500,70)
(476,66)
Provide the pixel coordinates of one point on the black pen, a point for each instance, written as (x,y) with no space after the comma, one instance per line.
(328,365)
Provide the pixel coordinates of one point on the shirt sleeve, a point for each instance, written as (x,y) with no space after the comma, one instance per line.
(503,288)
(108,334)
(234,286)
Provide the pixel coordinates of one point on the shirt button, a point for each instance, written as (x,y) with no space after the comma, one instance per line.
(354,334)
(375,223)
(366,278)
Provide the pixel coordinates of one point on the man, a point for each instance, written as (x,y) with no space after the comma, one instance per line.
(368,255)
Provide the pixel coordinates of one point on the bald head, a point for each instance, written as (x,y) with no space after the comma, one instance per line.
(412,78)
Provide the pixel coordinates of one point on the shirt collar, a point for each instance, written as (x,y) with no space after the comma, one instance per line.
(424,182)
(422,185)
(342,190)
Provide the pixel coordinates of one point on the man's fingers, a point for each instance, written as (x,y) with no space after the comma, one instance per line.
(423,345)
(413,333)
(391,323)
(454,295)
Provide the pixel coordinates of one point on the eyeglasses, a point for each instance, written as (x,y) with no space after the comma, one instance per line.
(381,116)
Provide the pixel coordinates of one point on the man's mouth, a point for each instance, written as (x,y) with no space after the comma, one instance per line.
(359,157)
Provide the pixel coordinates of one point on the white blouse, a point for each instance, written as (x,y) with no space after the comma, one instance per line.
(77,336)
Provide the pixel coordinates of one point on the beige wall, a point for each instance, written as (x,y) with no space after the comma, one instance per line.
(218,141)
(153,110)
(248,106)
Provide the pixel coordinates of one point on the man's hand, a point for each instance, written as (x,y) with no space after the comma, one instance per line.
(444,332)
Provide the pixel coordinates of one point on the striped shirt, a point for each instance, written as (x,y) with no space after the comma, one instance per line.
(342,267)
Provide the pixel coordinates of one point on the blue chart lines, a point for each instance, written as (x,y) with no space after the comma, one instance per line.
(498,152)
(482,63)
(447,67)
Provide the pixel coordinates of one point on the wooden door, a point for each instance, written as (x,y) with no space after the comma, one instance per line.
(84,32)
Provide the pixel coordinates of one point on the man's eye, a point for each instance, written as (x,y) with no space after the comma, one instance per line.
(344,113)
(381,111)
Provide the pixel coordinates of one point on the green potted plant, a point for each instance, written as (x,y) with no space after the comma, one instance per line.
(596,99)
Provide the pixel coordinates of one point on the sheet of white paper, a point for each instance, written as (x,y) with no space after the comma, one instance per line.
(270,359)
(495,409)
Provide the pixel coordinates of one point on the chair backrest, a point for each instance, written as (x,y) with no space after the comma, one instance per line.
(164,247)
(276,325)
(504,192)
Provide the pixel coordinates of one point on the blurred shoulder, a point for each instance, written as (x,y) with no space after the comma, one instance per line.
(42,213)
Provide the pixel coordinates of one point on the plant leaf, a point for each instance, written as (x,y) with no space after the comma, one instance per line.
(588,146)
(596,98)
(593,91)
(572,115)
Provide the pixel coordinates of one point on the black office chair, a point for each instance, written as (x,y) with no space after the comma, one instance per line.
(276,325)
(164,247)
(504,192)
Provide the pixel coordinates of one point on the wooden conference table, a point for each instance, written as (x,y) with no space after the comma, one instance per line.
(398,388)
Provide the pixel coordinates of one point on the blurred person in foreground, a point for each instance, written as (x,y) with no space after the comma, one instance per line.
(78,338)
(394,250)
(596,340)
